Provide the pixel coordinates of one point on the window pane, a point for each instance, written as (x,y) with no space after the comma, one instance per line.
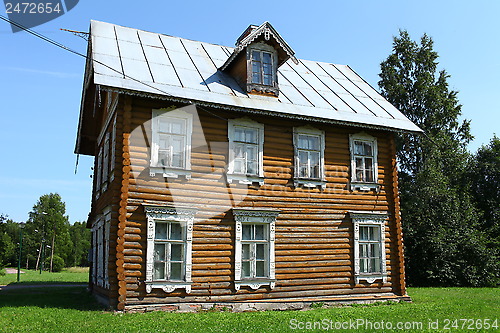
(245,251)
(375,250)
(358,148)
(159,271)
(260,269)
(256,78)
(161,231)
(259,232)
(251,135)
(267,69)
(159,254)
(268,80)
(367,149)
(176,252)
(260,251)
(266,58)
(314,156)
(251,168)
(177,126)
(376,267)
(164,141)
(313,142)
(163,157)
(176,271)
(239,150)
(239,134)
(369,169)
(251,152)
(362,266)
(245,269)
(164,125)
(177,160)
(247,232)
(256,55)
(302,141)
(238,166)
(363,250)
(175,231)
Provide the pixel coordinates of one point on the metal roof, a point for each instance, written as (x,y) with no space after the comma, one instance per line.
(136,60)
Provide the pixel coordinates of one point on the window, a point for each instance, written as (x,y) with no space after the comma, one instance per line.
(171,142)
(105,163)
(309,146)
(254,247)
(100,248)
(168,256)
(98,173)
(369,246)
(262,67)
(246,141)
(112,163)
(364,166)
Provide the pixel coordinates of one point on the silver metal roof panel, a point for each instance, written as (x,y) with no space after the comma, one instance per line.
(188,70)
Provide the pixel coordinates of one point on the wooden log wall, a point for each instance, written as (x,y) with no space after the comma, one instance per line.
(314,235)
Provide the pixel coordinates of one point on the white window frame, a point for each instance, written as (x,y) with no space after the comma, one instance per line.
(98,238)
(239,177)
(172,113)
(107,224)
(360,185)
(255,216)
(305,181)
(375,219)
(112,163)
(98,173)
(105,162)
(184,216)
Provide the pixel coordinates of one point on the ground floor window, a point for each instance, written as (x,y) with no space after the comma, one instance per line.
(169,248)
(369,246)
(254,247)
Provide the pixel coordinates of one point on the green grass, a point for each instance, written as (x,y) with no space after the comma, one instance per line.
(73,310)
(68,275)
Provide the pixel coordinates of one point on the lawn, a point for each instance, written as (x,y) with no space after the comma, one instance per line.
(71,309)
(68,275)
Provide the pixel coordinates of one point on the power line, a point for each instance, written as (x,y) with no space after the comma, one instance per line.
(64,47)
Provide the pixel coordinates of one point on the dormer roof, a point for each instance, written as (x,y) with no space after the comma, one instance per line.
(264,32)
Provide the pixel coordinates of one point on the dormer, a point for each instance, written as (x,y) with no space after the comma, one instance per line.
(254,63)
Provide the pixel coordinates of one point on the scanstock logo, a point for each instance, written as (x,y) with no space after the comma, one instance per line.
(33,13)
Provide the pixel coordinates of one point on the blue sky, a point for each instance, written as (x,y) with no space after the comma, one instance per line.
(40,85)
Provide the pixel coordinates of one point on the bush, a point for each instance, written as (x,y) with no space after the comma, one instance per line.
(57,263)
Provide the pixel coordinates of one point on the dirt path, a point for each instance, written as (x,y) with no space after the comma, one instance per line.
(12,271)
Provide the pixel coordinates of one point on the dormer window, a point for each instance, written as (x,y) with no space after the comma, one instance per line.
(262,67)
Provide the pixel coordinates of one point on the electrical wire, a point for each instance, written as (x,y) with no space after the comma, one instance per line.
(64,47)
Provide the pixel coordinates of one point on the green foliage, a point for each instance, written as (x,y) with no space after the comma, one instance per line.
(57,263)
(444,244)
(80,237)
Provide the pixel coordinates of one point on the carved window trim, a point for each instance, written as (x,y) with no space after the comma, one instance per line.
(254,216)
(173,172)
(246,178)
(369,219)
(360,185)
(262,47)
(169,213)
(305,181)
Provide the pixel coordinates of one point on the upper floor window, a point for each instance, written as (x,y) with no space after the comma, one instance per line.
(171,142)
(309,144)
(246,143)
(364,166)
(262,67)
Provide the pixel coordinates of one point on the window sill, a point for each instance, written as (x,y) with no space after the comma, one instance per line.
(168,286)
(309,183)
(245,179)
(365,186)
(170,172)
(255,284)
(371,278)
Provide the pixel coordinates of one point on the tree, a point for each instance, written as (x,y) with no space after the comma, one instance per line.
(484,179)
(52,226)
(443,243)
(80,237)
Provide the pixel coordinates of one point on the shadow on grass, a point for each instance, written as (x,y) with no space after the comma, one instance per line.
(67,297)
